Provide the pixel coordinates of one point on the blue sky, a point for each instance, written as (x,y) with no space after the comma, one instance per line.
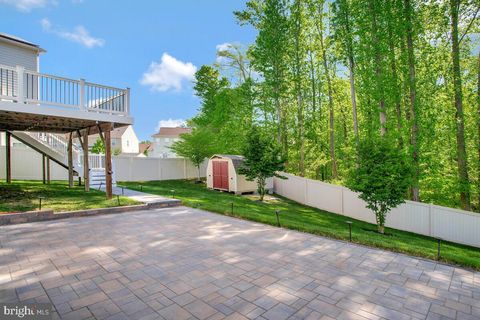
(153,47)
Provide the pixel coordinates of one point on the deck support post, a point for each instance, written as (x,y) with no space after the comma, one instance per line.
(8,158)
(48,170)
(44,178)
(70,160)
(86,169)
(108,164)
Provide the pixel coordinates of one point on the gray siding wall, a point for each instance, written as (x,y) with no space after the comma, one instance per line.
(11,55)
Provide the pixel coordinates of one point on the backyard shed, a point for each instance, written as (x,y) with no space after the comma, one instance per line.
(222,174)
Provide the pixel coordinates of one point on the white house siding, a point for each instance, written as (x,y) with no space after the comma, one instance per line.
(161,147)
(12,56)
(116,144)
(126,143)
(130,141)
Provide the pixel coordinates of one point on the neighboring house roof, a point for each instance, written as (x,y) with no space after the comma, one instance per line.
(237,160)
(114,134)
(24,43)
(142,147)
(171,132)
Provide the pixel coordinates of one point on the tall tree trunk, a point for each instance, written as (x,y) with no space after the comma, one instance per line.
(298,88)
(351,69)
(415,192)
(301,137)
(331,129)
(396,92)
(353,97)
(459,117)
(393,66)
(378,68)
(313,84)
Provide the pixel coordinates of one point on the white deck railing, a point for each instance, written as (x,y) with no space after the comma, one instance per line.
(60,145)
(25,86)
(95,161)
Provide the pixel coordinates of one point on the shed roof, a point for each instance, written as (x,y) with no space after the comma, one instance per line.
(10,38)
(237,160)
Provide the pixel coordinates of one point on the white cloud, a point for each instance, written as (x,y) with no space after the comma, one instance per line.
(170,123)
(28,5)
(46,24)
(79,34)
(169,74)
(224,46)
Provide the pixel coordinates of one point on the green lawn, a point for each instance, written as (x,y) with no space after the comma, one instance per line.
(307,219)
(23,196)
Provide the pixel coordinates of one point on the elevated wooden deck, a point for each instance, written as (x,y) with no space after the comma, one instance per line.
(32,101)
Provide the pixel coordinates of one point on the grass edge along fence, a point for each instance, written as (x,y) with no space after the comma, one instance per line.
(430,220)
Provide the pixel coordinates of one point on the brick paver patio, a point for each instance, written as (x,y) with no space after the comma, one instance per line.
(181,263)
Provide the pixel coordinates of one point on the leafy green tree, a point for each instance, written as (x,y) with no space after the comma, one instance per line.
(195,146)
(98,147)
(382,177)
(223,108)
(262,160)
(322,75)
(269,54)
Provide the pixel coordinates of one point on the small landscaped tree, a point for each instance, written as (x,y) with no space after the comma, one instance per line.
(382,177)
(195,146)
(98,147)
(262,159)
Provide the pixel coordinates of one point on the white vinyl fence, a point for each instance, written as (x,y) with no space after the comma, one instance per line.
(449,224)
(27,165)
(150,169)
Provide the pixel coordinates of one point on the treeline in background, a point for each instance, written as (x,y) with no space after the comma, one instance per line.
(324,75)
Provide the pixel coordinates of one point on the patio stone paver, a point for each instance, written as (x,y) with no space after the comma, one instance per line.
(182,263)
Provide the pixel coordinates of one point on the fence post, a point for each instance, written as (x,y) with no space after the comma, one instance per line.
(160,169)
(430,217)
(306,191)
(130,168)
(81,99)
(185,169)
(342,198)
(20,84)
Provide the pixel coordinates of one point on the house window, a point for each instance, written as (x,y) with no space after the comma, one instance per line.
(167,140)
(128,143)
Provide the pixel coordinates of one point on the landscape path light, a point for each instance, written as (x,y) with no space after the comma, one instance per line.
(278,218)
(439,244)
(350,230)
(40,202)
